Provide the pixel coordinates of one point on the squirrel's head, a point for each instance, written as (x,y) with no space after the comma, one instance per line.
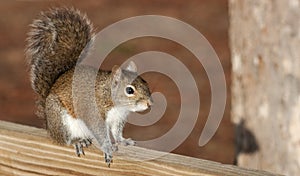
(129,90)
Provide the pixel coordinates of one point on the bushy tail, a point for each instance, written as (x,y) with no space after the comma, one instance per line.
(55,42)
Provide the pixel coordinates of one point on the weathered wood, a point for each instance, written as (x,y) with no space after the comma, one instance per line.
(27,150)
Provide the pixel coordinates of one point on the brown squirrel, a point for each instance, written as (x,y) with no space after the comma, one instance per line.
(55,43)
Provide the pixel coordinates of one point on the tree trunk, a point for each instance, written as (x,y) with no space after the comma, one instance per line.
(265,48)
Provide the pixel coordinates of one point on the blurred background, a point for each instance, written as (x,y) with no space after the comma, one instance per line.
(210,17)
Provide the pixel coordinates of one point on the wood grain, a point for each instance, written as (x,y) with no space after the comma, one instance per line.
(27,150)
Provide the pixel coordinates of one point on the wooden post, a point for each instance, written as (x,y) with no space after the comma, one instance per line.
(27,150)
(265,47)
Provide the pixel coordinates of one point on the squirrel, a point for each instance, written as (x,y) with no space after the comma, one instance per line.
(55,43)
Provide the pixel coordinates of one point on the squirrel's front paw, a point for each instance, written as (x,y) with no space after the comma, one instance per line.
(127,142)
(108,159)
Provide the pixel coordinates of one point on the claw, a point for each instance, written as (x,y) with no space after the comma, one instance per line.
(108,159)
(86,142)
(89,141)
(82,151)
(77,150)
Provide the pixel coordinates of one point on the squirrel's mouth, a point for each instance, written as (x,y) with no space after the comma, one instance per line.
(144,106)
(144,111)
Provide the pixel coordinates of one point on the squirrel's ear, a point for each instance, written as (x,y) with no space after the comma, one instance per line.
(117,72)
(115,68)
(131,67)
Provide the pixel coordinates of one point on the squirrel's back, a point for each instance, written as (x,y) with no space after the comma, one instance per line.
(55,42)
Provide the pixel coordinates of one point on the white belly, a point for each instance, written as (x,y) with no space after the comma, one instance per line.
(76,127)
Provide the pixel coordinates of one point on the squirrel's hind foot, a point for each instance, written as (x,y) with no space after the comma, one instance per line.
(80,144)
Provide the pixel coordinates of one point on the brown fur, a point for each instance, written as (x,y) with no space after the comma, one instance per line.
(63,89)
(55,43)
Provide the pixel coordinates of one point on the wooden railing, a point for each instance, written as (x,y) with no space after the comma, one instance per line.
(27,150)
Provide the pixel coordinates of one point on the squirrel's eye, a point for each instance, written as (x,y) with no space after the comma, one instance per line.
(129,90)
